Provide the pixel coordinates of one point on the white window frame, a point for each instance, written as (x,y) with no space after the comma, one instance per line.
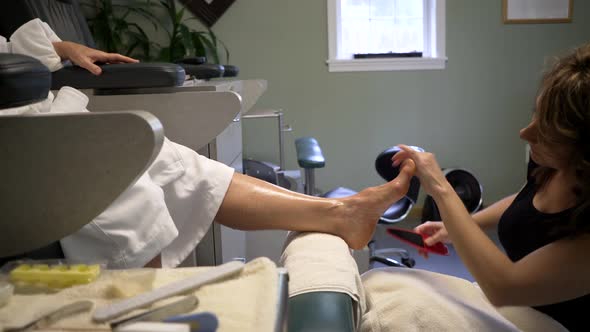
(434,48)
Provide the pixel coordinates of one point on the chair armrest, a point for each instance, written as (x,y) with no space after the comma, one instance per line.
(230,71)
(191,118)
(124,75)
(321,311)
(59,171)
(193,60)
(309,153)
(203,71)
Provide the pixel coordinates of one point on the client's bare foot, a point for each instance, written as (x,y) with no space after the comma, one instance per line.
(359,214)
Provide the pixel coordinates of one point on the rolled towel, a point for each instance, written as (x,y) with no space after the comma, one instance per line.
(320,262)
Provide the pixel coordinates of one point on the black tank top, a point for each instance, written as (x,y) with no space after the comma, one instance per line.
(523,229)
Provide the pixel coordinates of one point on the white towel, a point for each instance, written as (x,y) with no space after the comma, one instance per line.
(400,299)
(322,262)
(404,299)
(247,302)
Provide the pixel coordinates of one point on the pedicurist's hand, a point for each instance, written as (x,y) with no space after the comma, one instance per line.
(427,170)
(436,232)
(86,57)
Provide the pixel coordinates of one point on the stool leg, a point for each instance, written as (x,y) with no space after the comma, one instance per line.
(309,181)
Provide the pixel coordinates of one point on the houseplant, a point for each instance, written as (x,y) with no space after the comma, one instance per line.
(185,41)
(121,27)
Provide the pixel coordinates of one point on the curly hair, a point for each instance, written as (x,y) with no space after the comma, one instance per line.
(563,111)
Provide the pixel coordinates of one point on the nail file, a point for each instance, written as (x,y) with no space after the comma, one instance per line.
(52,317)
(181,306)
(116,309)
(417,240)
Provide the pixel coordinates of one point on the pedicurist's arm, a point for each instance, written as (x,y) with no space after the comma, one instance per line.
(489,217)
(486,219)
(530,281)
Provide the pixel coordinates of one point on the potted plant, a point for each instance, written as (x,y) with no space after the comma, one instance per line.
(119,27)
(185,41)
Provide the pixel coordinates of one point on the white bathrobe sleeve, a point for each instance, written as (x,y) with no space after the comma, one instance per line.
(5,46)
(35,39)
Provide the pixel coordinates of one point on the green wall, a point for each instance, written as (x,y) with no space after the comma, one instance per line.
(468,114)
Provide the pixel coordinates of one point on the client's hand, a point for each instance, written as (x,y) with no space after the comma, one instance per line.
(361,212)
(86,57)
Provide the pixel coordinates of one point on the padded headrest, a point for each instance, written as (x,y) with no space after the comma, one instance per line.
(466,186)
(23,80)
(388,172)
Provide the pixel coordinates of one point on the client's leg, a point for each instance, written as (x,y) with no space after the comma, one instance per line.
(254,204)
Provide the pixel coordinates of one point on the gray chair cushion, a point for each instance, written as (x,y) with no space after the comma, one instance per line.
(23,80)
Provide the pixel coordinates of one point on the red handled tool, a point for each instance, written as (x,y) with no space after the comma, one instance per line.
(417,240)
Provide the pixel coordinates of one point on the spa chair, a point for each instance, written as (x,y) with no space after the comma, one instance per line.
(49,159)
(198,115)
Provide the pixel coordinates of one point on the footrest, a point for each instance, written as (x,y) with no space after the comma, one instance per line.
(321,311)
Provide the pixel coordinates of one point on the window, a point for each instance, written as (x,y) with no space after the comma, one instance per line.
(381,35)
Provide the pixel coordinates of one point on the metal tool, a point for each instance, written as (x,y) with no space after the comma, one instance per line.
(6,291)
(181,306)
(50,318)
(201,322)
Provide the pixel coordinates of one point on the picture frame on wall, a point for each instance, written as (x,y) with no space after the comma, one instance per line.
(207,11)
(537,11)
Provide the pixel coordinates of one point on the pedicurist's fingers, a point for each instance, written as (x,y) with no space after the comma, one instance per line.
(408,168)
(435,232)
(423,253)
(405,153)
(401,183)
(426,228)
(433,239)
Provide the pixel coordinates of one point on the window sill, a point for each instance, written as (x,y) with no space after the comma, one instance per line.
(386,64)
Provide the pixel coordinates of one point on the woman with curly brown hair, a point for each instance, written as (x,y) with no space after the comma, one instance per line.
(545,228)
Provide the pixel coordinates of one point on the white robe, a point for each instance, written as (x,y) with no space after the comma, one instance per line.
(170,207)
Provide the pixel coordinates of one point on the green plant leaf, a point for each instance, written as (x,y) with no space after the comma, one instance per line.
(211,49)
(199,47)
(119,27)
(186,39)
